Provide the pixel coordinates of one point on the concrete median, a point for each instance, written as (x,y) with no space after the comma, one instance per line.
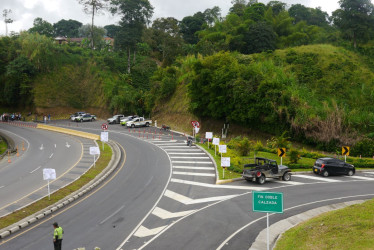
(69,131)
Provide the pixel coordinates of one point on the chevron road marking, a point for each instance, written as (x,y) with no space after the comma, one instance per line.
(194,174)
(368,172)
(186,153)
(188,201)
(170,144)
(193,168)
(217,186)
(157,141)
(316,178)
(289,182)
(176,146)
(361,178)
(194,157)
(164,214)
(193,162)
(183,150)
(145,232)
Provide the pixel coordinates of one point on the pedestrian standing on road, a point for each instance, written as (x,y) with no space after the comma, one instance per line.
(49,117)
(57,236)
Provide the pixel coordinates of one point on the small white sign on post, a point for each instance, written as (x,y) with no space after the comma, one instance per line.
(49,174)
(215,143)
(222,149)
(104,138)
(225,163)
(94,151)
(209,135)
(197,130)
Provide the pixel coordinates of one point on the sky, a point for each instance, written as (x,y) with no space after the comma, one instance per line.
(25,11)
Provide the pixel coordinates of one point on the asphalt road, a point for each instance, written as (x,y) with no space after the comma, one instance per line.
(146,206)
(42,149)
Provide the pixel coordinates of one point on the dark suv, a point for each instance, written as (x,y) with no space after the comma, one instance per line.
(333,166)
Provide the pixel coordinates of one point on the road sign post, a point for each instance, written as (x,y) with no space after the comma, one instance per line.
(104,126)
(94,151)
(49,174)
(267,202)
(345,152)
(281,154)
(104,138)
(225,163)
(209,135)
(215,143)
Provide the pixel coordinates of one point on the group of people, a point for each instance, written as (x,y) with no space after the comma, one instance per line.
(5,117)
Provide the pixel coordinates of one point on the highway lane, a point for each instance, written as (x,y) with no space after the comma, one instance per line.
(111,214)
(114,210)
(43,149)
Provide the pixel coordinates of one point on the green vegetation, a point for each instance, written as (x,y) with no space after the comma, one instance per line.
(348,228)
(101,164)
(3,146)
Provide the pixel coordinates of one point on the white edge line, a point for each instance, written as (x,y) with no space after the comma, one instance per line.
(156,203)
(28,143)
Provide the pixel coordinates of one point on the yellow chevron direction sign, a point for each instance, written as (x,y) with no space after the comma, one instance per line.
(345,150)
(282,152)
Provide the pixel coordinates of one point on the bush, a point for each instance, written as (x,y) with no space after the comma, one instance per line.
(364,147)
(294,156)
(242,145)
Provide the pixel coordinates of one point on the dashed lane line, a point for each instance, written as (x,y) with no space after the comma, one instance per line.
(36,169)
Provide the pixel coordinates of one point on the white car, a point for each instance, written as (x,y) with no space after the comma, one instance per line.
(115,119)
(74,116)
(138,122)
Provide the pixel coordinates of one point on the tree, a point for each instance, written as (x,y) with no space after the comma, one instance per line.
(260,37)
(355,19)
(7,20)
(238,7)
(276,6)
(67,28)
(92,7)
(190,25)
(86,32)
(42,27)
(135,15)
(112,30)
(167,38)
(212,15)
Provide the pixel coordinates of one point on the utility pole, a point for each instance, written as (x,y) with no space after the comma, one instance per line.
(7,20)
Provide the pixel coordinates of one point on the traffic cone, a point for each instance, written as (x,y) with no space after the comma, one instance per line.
(23,146)
(9,161)
(17,152)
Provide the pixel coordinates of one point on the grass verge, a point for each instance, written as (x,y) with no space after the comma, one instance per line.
(3,146)
(228,174)
(348,228)
(101,164)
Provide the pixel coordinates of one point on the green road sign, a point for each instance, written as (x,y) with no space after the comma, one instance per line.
(267,202)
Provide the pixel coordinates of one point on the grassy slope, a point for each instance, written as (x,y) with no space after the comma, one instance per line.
(348,228)
(337,76)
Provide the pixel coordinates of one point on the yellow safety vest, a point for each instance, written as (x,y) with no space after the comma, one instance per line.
(58,233)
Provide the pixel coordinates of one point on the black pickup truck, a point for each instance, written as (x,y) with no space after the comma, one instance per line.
(265,168)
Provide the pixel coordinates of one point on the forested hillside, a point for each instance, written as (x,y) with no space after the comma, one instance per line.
(270,67)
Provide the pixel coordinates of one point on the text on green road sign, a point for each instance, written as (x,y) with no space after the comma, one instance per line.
(267,202)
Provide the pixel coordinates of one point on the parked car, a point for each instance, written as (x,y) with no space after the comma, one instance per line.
(139,122)
(85,118)
(265,168)
(127,118)
(75,115)
(115,119)
(333,166)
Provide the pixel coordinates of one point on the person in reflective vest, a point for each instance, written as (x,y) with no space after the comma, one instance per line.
(57,236)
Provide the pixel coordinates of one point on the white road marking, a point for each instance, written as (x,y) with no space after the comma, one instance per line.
(169,144)
(188,201)
(176,146)
(194,174)
(201,184)
(51,156)
(326,179)
(368,172)
(183,150)
(35,169)
(2,186)
(361,178)
(194,157)
(110,216)
(193,162)
(144,232)
(67,145)
(55,146)
(157,141)
(289,182)
(193,168)
(186,153)
(164,214)
(41,147)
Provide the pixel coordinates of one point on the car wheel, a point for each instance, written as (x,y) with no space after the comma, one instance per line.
(81,120)
(287,176)
(133,125)
(147,124)
(350,173)
(325,173)
(261,180)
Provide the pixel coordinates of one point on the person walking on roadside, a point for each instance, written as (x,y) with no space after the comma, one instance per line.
(57,236)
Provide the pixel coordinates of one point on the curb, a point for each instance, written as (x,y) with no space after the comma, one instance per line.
(277,229)
(69,131)
(68,199)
